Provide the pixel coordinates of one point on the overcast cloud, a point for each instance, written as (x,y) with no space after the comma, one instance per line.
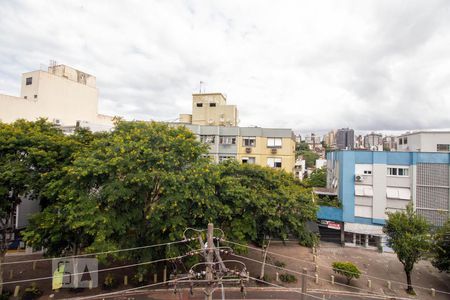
(307,65)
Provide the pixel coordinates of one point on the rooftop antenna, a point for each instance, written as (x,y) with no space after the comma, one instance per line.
(201,86)
(52,65)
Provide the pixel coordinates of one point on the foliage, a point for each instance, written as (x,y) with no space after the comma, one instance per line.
(408,236)
(258,202)
(138,279)
(318,178)
(441,248)
(5,295)
(302,149)
(326,200)
(279,264)
(32,292)
(346,269)
(288,278)
(144,183)
(110,282)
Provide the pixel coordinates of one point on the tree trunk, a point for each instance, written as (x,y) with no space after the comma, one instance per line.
(410,289)
(264,260)
(2,260)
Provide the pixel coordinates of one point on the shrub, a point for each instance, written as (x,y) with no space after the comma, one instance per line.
(110,282)
(280,264)
(32,292)
(288,278)
(347,269)
(138,279)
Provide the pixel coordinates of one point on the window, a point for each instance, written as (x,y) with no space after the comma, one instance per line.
(397,171)
(199,104)
(274,142)
(212,105)
(248,160)
(400,141)
(223,158)
(274,162)
(35,96)
(443,147)
(25,97)
(249,141)
(29,81)
(207,139)
(367,172)
(228,140)
(405,141)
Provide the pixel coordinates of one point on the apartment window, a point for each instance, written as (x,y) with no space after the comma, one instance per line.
(274,142)
(367,172)
(400,141)
(405,141)
(443,147)
(207,139)
(228,140)
(274,162)
(25,97)
(199,104)
(225,157)
(397,171)
(249,141)
(29,81)
(212,105)
(35,96)
(248,160)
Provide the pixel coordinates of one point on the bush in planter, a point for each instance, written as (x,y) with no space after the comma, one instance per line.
(280,264)
(32,292)
(288,278)
(110,282)
(347,269)
(138,279)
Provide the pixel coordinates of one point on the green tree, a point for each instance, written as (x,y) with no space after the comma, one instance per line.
(31,156)
(441,248)
(408,236)
(318,178)
(346,269)
(302,149)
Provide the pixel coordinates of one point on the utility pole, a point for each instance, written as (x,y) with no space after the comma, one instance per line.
(209,261)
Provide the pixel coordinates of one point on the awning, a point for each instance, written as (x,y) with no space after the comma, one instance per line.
(363,228)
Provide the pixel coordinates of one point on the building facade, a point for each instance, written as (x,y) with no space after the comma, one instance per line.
(211,109)
(390,143)
(370,183)
(373,141)
(345,139)
(424,141)
(253,145)
(62,94)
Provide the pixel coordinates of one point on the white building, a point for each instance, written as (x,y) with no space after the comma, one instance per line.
(320,163)
(63,95)
(424,141)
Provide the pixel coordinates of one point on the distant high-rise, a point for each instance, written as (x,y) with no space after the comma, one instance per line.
(373,141)
(345,139)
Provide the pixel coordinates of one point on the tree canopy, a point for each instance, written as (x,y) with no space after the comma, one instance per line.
(144,183)
(441,248)
(318,178)
(408,236)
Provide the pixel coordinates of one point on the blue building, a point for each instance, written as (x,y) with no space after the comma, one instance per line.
(370,183)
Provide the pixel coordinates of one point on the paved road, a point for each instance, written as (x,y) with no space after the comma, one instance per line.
(251,294)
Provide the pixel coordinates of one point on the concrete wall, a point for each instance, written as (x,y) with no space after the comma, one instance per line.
(220,114)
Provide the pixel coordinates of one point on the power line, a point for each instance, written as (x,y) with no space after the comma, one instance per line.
(277,285)
(299,273)
(297,259)
(92,254)
(102,270)
(129,290)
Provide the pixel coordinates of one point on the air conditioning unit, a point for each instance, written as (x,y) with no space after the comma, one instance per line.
(57,121)
(273,151)
(359,178)
(248,150)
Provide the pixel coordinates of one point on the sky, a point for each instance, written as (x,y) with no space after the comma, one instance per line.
(305,65)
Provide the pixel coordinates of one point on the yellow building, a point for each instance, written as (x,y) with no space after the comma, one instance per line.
(211,109)
(63,95)
(269,147)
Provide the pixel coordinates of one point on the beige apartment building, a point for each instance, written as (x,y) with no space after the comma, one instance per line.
(215,124)
(63,95)
(211,109)
(270,147)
